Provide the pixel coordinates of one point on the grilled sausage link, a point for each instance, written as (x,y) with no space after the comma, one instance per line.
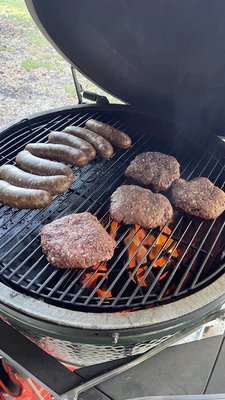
(101,145)
(38,166)
(73,141)
(58,152)
(53,184)
(113,135)
(17,197)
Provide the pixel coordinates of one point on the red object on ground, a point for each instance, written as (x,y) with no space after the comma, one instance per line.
(26,391)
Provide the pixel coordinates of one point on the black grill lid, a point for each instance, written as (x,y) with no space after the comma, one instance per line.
(167,56)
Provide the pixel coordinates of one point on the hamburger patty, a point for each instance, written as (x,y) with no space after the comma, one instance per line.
(153,168)
(76,241)
(198,197)
(134,205)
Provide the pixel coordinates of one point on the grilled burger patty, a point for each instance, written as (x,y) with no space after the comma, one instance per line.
(153,168)
(134,205)
(198,197)
(76,241)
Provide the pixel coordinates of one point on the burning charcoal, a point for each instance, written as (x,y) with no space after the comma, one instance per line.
(150,278)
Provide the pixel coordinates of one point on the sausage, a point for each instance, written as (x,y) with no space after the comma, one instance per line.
(18,197)
(38,166)
(58,152)
(53,184)
(73,141)
(101,145)
(113,135)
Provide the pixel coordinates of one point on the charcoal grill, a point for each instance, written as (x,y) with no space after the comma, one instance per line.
(55,295)
(60,310)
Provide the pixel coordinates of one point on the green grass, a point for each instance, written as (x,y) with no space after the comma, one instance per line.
(69,89)
(36,38)
(39,46)
(40,53)
(32,63)
(55,56)
(16,9)
(6,49)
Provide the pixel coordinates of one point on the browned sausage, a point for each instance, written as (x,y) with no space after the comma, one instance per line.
(102,146)
(18,197)
(113,135)
(39,166)
(73,141)
(53,184)
(58,152)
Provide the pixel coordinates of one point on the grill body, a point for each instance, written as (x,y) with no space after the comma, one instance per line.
(70,323)
(79,339)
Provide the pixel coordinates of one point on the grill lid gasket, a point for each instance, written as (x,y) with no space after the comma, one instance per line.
(11,273)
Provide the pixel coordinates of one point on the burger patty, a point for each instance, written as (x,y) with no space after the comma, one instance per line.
(198,197)
(134,205)
(153,168)
(76,241)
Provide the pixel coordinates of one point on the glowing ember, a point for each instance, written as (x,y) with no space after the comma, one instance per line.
(92,279)
(138,248)
(169,247)
(113,228)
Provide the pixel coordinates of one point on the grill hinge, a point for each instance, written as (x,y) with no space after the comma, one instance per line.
(85,94)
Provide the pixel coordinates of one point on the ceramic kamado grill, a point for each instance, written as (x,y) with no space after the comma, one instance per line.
(165,61)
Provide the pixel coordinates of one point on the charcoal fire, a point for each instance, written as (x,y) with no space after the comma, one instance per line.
(91,279)
(142,250)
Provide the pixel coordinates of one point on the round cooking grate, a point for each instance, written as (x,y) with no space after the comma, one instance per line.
(166,263)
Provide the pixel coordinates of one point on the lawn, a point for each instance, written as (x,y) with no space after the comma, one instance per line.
(26,45)
(38,45)
(15,9)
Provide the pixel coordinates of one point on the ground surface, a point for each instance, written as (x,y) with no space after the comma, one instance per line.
(33,76)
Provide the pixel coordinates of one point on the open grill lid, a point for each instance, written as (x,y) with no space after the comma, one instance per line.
(167,56)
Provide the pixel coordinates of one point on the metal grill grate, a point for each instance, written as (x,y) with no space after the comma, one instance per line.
(199,243)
